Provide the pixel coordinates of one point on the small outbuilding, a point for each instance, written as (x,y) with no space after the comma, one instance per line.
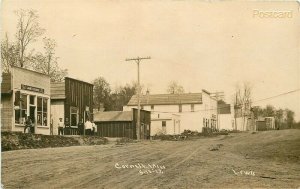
(122,124)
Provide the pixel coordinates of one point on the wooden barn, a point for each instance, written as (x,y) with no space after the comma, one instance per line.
(122,124)
(71,100)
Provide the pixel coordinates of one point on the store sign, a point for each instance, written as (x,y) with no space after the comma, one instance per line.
(34,89)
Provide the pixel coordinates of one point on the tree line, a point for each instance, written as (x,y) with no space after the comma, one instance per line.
(284,118)
(106,99)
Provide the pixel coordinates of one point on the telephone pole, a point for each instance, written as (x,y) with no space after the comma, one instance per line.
(218,96)
(138,123)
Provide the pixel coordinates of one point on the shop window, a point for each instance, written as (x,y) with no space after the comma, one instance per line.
(21,109)
(164,127)
(74,116)
(42,111)
(39,111)
(45,111)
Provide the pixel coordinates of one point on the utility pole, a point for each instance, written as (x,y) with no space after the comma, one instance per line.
(218,96)
(138,123)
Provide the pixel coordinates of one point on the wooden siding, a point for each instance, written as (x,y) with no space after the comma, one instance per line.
(6,112)
(58,90)
(6,83)
(145,117)
(78,94)
(57,111)
(116,129)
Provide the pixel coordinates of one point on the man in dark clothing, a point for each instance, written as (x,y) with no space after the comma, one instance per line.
(80,127)
(28,124)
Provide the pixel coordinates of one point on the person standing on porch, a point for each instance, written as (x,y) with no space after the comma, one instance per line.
(28,124)
(60,127)
(88,127)
(94,130)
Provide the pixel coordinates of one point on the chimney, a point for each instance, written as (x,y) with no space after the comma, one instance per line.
(147,95)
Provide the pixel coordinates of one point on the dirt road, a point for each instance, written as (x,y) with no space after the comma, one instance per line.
(242,160)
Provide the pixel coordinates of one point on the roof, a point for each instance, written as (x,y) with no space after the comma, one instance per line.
(167,99)
(78,80)
(57,90)
(6,87)
(113,116)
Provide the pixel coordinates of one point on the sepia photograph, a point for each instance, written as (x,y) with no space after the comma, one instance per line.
(154,94)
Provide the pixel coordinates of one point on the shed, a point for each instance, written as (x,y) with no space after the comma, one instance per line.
(122,124)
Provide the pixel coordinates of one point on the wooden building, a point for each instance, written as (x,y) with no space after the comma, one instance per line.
(25,93)
(71,100)
(122,124)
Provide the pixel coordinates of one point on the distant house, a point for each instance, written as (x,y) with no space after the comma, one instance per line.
(122,124)
(174,113)
(25,93)
(225,116)
(71,100)
(265,123)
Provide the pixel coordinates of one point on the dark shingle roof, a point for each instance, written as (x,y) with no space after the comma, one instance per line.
(57,90)
(113,116)
(167,99)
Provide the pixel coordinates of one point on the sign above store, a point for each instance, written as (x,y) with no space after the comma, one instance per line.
(30,88)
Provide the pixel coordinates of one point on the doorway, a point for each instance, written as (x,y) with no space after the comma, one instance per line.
(32,117)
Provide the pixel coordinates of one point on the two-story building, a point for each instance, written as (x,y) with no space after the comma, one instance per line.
(174,113)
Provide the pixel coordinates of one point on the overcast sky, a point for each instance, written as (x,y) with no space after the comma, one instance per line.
(200,44)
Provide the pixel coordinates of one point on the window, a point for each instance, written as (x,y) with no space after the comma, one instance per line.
(42,111)
(45,111)
(192,107)
(21,110)
(142,107)
(74,116)
(31,100)
(180,108)
(39,111)
(204,122)
(152,107)
(164,126)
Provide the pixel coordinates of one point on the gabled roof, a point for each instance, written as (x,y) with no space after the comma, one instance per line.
(113,116)
(167,99)
(57,90)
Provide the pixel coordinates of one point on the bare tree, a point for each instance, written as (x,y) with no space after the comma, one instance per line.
(174,88)
(28,30)
(9,54)
(47,63)
(243,101)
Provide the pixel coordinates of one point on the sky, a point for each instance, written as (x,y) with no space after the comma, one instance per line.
(212,45)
